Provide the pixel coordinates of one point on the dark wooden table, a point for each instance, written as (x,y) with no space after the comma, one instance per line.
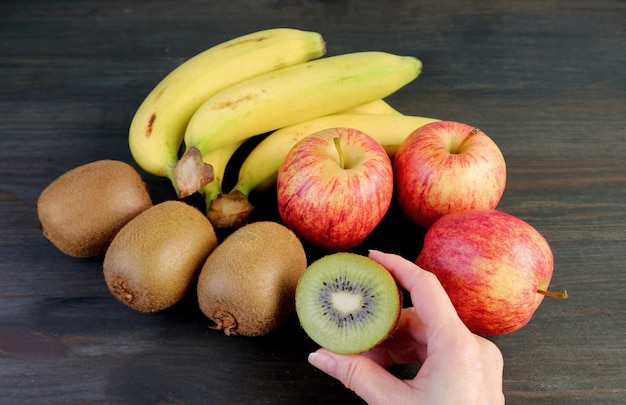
(545,79)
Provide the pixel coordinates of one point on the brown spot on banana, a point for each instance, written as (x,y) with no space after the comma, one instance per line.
(150,125)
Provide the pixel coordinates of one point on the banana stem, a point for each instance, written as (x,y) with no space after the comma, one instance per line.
(191,173)
(230,210)
(211,192)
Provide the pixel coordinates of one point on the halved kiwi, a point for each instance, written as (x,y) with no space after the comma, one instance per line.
(347,303)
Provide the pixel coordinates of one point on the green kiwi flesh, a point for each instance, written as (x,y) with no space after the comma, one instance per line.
(347,303)
(81,211)
(155,258)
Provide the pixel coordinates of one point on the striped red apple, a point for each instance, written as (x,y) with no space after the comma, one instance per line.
(495,267)
(334,187)
(447,166)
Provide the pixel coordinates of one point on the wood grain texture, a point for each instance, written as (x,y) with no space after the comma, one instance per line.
(545,79)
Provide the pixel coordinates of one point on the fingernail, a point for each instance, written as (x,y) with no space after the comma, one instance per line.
(324,362)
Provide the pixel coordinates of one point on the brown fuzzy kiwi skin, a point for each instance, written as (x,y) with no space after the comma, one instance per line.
(247,285)
(81,211)
(155,258)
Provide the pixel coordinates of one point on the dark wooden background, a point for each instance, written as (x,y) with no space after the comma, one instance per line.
(545,79)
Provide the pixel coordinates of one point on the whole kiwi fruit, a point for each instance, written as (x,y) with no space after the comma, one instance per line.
(82,210)
(247,285)
(348,303)
(156,256)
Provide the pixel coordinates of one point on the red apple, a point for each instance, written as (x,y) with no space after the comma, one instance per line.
(494,266)
(447,166)
(334,187)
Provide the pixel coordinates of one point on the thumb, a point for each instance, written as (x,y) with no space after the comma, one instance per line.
(362,375)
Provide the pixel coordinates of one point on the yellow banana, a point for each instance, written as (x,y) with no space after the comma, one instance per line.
(380,107)
(157,129)
(289,96)
(260,168)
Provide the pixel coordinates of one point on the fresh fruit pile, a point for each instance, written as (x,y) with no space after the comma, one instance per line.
(338,154)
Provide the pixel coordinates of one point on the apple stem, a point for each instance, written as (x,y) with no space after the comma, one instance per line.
(560,295)
(337,141)
(469,136)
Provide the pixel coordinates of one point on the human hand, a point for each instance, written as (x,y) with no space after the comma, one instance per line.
(457,366)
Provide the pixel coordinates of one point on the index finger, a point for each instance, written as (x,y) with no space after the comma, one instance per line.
(431,302)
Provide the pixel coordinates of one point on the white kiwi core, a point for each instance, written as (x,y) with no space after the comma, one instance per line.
(346,302)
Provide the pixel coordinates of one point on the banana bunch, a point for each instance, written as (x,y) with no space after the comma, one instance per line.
(285,97)
(272,82)
(158,126)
